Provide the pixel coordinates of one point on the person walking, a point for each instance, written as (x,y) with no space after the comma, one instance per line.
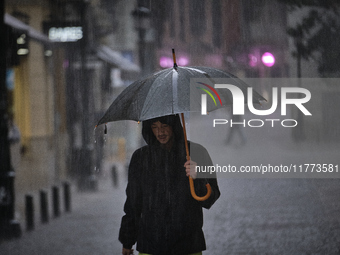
(161,216)
(237,127)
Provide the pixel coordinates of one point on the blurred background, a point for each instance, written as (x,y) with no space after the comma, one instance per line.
(63,62)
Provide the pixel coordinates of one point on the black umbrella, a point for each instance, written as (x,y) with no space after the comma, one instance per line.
(168,92)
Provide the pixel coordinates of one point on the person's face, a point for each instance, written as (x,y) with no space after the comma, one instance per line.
(163,132)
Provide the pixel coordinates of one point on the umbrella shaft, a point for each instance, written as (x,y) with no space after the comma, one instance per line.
(185,137)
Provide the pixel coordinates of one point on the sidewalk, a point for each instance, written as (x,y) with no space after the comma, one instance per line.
(90,228)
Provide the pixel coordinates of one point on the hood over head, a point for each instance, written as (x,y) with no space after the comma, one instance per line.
(171,120)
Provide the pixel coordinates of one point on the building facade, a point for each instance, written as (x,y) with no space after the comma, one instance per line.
(72,66)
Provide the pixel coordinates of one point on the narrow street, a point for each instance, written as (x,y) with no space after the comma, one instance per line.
(258,84)
(252,216)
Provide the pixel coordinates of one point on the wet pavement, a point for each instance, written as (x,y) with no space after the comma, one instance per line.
(252,216)
(90,228)
(267,216)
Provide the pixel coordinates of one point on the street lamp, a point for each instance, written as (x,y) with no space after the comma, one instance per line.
(142,22)
(88,180)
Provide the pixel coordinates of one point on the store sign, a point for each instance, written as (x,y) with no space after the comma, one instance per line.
(65,34)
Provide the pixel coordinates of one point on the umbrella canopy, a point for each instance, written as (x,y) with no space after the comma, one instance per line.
(168,92)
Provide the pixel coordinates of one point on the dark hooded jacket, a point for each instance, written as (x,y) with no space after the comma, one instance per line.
(160,213)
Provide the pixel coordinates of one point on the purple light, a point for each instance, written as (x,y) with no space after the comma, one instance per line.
(165,62)
(183,61)
(268,59)
(252,60)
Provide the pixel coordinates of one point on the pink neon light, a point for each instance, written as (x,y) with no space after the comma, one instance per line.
(268,59)
(183,61)
(165,62)
(252,60)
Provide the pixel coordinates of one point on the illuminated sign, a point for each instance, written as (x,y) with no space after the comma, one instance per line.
(65,34)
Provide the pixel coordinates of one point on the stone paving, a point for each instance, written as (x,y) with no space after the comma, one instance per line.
(90,228)
(252,216)
(269,216)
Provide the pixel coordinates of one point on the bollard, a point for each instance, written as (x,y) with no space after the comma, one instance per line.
(43,207)
(29,212)
(56,201)
(114,176)
(67,197)
(9,227)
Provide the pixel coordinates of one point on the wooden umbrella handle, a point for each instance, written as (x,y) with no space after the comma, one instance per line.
(191,181)
(193,194)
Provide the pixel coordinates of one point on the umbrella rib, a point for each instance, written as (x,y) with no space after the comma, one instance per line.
(174,88)
(154,96)
(196,70)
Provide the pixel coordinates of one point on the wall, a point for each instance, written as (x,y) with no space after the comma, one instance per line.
(38,159)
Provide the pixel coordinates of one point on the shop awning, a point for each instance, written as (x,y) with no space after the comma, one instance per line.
(33,33)
(116,59)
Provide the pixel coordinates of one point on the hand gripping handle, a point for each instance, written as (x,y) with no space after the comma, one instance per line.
(191,181)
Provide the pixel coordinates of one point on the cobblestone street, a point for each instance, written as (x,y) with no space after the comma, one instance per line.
(252,216)
(268,216)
